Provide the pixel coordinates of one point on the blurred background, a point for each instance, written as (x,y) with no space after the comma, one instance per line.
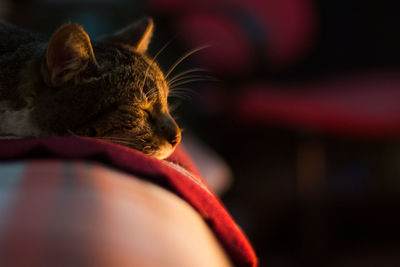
(299,98)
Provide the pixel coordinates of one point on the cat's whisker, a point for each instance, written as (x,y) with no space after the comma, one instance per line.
(182,92)
(188,81)
(109,138)
(173,107)
(114,138)
(184,57)
(182,96)
(127,139)
(181,89)
(162,49)
(154,61)
(186,72)
(120,142)
(125,142)
(171,84)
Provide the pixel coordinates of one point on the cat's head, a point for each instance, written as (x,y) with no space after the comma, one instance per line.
(106,89)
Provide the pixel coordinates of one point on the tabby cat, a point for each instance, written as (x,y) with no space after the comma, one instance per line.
(107,89)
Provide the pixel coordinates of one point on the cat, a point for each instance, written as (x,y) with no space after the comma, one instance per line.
(70,85)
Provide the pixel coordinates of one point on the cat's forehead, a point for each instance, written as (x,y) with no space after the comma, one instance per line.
(134,62)
(129,74)
(138,74)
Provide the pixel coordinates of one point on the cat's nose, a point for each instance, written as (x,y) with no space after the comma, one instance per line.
(174,140)
(172,134)
(170,130)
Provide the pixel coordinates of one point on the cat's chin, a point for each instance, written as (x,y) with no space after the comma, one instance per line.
(164,152)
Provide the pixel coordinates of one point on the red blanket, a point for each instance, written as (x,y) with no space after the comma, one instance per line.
(177,174)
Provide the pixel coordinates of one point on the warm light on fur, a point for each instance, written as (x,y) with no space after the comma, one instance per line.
(107,89)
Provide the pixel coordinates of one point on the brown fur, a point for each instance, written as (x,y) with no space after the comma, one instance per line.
(105,89)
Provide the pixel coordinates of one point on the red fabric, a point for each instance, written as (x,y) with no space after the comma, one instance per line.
(362,106)
(181,179)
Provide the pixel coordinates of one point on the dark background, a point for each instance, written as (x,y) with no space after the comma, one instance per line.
(304,195)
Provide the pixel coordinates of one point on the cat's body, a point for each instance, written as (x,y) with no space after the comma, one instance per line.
(18,49)
(106,89)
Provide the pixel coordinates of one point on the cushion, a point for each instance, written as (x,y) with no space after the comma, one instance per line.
(177,174)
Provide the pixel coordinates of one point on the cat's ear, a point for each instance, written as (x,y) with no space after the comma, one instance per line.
(68,52)
(137,35)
